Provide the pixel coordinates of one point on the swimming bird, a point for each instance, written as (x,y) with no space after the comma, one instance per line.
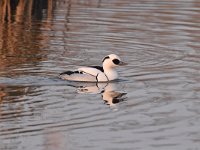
(104,73)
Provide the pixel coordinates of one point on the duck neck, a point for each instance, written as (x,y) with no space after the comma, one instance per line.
(111,73)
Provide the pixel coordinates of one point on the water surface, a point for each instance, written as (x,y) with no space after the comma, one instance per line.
(154,105)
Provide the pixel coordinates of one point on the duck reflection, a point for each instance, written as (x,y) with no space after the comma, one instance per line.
(111,92)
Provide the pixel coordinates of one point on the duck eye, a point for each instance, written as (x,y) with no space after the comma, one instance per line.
(116,61)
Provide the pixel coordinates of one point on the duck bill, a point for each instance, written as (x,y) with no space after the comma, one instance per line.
(123,63)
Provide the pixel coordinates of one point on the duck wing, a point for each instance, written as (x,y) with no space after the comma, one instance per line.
(77,76)
(95,71)
(92,70)
(86,74)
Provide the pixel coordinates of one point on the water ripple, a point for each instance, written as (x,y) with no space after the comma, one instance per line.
(159,89)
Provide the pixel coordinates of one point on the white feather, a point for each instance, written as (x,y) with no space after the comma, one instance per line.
(100,76)
(89,70)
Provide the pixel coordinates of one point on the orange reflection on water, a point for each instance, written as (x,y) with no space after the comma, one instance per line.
(21,40)
(2,94)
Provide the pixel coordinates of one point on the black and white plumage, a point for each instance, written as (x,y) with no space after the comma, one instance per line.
(104,73)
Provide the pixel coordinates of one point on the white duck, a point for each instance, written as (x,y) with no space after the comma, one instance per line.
(103,73)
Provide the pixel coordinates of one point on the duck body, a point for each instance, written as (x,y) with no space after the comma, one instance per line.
(103,73)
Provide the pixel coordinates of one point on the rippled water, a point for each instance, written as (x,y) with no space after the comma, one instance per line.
(154,105)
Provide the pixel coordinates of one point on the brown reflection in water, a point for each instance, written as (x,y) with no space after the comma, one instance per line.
(21,39)
(2,93)
(11,98)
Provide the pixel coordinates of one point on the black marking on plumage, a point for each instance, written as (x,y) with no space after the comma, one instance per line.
(116,61)
(102,91)
(97,78)
(67,72)
(107,57)
(78,72)
(71,72)
(98,67)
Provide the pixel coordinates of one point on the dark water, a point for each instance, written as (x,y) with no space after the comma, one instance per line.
(156,103)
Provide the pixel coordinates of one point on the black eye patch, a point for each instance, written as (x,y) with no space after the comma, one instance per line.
(116,61)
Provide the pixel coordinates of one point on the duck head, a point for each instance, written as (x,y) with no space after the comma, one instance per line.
(112,61)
